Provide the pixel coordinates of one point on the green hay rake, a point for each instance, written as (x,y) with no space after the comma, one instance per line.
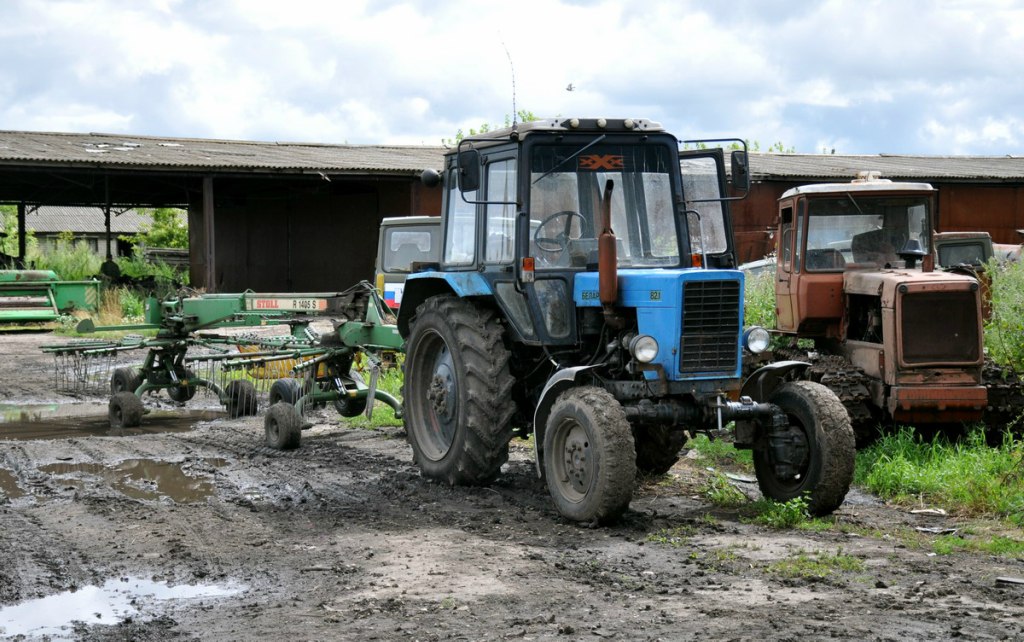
(292,372)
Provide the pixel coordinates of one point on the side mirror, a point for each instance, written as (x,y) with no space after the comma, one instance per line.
(469,170)
(740,170)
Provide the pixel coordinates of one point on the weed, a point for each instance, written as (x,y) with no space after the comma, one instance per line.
(675,536)
(1004,333)
(719,452)
(791,514)
(722,493)
(996,545)
(967,476)
(816,565)
(390,381)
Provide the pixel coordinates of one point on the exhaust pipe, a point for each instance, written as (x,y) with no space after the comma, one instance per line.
(608,262)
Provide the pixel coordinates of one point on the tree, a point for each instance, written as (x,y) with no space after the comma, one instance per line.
(169,229)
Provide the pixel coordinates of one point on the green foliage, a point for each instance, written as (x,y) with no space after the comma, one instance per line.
(759,299)
(995,545)
(71,261)
(132,305)
(816,565)
(781,515)
(9,226)
(390,381)
(720,491)
(720,453)
(168,229)
(1004,333)
(675,536)
(968,476)
(167,278)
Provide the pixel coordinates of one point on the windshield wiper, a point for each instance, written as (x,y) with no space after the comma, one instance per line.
(569,158)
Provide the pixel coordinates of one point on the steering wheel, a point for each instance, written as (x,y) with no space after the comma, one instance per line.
(560,242)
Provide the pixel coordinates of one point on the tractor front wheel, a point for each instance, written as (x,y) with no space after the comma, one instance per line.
(589,456)
(458,391)
(657,448)
(814,456)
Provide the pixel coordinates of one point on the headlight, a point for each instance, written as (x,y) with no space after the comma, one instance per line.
(644,348)
(756,339)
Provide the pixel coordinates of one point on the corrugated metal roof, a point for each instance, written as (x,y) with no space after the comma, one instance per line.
(92,150)
(765,166)
(83,220)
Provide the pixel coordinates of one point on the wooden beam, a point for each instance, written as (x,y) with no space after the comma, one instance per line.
(208,226)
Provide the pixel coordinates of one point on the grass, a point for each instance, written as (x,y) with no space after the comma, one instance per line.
(720,492)
(816,565)
(675,536)
(389,381)
(717,452)
(967,477)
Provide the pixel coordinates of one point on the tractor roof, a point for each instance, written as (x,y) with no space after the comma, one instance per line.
(865,182)
(568,125)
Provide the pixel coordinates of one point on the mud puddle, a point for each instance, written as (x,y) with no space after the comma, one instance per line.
(9,485)
(114,602)
(57,421)
(142,479)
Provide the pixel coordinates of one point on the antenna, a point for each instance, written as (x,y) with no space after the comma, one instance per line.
(515,114)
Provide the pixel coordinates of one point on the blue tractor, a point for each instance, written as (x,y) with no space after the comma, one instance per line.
(587,296)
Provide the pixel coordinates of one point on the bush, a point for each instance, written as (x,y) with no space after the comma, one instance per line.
(1004,333)
(71,261)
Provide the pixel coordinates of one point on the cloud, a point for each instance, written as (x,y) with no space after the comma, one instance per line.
(868,76)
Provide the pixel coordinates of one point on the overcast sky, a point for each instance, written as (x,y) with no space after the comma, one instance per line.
(914,77)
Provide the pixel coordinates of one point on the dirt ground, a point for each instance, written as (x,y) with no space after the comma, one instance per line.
(204,533)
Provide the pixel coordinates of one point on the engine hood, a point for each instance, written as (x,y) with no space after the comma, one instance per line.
(886,283)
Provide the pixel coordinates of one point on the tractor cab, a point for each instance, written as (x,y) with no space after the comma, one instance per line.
(523,215)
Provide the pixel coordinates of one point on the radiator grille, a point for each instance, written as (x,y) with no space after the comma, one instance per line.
(711,326)
(940,327)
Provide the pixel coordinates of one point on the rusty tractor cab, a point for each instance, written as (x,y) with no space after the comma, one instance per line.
(898,341)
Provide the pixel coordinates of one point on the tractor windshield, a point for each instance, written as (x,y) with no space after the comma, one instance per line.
(566,189)
(864,230)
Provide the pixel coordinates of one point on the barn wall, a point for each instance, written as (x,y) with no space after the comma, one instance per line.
(294,236)
(996,209)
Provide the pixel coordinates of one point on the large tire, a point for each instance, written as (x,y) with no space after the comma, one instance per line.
(125,380)
(241,398)
(347,406)
(458,392)
(821,424)
(282,426)
(180,393)
(657,448)
(125,410)
(287,390)
(589,457)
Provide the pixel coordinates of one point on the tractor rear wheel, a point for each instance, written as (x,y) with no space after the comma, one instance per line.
(125,380)
(283,426)
(125,410)
(818,449)
(589,457)
(458,391)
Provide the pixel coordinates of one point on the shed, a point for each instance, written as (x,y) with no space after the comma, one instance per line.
(271,216)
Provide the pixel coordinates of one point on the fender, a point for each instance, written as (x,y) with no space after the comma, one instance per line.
(422,285)
(558,383)
(762,382)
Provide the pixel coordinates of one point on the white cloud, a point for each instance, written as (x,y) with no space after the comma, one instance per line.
(865,75)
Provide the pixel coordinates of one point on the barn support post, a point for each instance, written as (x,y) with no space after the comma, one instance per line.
(208,226)
(21,235)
